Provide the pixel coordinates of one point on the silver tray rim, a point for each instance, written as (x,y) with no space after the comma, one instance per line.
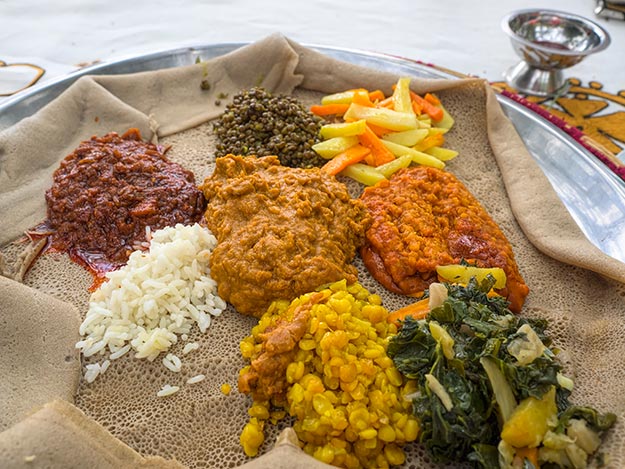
(586,186)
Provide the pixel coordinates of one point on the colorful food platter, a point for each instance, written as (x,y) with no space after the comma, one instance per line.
(333,347)
(594,195)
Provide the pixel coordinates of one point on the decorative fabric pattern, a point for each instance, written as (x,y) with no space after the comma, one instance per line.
(594,117)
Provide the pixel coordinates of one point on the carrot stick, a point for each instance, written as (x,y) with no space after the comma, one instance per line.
(436,113)
(432,140)
(362,97)
(432,99)
(417,108)
(379,153)
(341,161)
(329,109)
(379,131)
(418,310)
(376,95)
(387,103)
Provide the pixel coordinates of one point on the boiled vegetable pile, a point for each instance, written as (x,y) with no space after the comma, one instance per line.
(375,136)
(490,388)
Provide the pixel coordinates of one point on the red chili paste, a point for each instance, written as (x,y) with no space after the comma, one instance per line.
(109,190)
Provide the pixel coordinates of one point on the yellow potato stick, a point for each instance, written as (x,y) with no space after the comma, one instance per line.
(417,156)
(443,154)
(401,96)
(388,169)
(437,130)
(333,146)
(348,129)
(382,117)
(446,122)
(407,138)
(362,173)
(344,97)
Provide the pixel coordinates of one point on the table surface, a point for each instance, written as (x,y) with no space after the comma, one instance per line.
(61,36)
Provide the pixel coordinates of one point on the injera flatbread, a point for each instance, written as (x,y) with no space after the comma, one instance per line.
(38,361)
(60,435)
(572,283)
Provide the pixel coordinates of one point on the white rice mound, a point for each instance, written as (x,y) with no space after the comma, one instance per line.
(157,295)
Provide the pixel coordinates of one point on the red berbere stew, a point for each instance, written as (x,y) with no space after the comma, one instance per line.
(425,217)
(109,190)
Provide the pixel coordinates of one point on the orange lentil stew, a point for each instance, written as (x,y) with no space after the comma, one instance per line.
(425,217)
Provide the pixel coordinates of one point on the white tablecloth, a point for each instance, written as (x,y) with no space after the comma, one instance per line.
(60,35)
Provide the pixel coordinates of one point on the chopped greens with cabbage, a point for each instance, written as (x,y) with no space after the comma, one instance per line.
(490,390)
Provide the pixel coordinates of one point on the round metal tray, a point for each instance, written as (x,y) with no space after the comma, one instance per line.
(592,193)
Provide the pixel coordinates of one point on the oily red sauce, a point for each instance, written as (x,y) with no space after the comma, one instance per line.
(424,217)
(108,191)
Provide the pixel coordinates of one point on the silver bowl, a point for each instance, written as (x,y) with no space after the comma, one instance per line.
(549,41)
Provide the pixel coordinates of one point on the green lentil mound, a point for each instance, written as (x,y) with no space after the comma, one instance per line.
(258,123)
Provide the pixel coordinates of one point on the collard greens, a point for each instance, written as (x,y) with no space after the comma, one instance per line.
(480,326)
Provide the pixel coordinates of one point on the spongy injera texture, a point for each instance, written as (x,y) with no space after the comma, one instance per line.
(200,426)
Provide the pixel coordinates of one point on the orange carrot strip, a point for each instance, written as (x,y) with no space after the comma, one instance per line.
(362,97)
(436,113)
(418,310)
(417,108)
(379,131)
(387,103)
(329,109)
(432,99)
(376,95)
(433,140)
(379,153)
(341,161)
